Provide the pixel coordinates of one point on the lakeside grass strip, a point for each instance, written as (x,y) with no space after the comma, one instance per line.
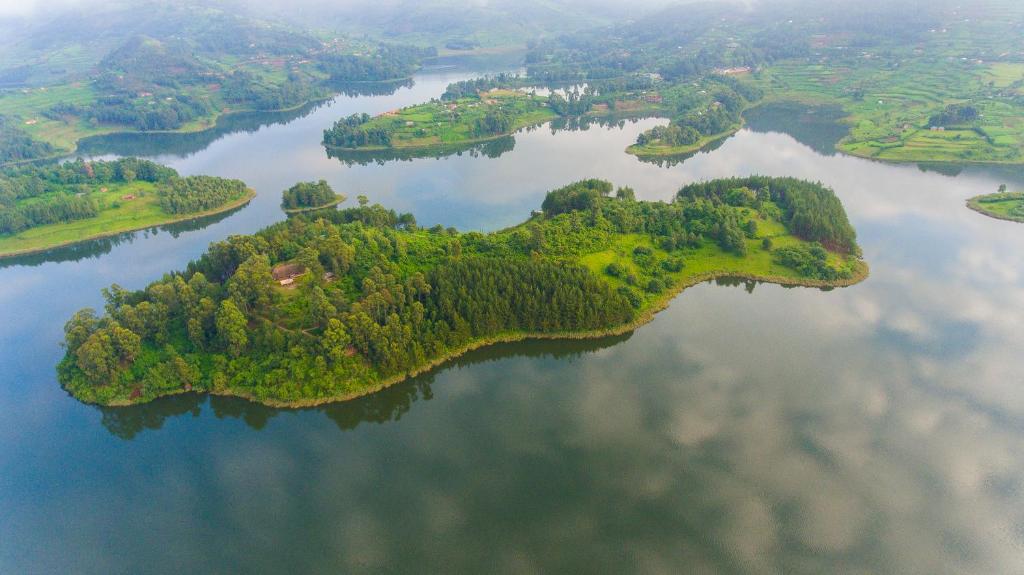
(53,236)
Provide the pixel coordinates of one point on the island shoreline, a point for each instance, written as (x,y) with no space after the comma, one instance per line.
(648,315)
(248,197)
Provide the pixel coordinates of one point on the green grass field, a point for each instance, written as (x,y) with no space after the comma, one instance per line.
(116,215)
(888,105)
(1002,206)
(709,260)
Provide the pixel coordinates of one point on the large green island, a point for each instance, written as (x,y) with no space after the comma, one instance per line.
(45,207)
(332,305)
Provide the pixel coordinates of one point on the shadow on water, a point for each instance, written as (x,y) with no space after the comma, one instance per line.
(670,161)
(488,149)
(387,405)
(817,127)
(101,246)
(748,285)
(353,89)
(584,123)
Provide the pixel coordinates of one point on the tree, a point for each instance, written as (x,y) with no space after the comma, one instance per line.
(626,193)
(96,358)
(309,258)
(320,308)
(231,327)
(250,287)
(336,340)
(126,344)
(79,328)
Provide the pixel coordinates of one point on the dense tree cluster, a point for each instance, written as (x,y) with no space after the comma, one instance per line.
(493,123)
(308,195)
(16,145)
(371,296)
(33,196)
(810,260)
(198,193)
(142,113)
(955,115)
(585,195)
(715,114)
(467,88)
(246,89)
(811,211)
(349,132)
(390,62)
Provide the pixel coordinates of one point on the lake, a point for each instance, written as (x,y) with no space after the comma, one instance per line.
(749,428)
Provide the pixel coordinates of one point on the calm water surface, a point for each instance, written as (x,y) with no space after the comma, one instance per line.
(748,429)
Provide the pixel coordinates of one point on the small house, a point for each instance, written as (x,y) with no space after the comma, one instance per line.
(285,274)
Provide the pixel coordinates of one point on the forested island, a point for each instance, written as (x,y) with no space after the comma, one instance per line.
(1002,205)
(43,207)
(465,120)
(308,196)
(332,305)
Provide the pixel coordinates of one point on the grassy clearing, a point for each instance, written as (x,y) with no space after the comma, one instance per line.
(707,261)
(438,124)
(1002,206)
(117,215)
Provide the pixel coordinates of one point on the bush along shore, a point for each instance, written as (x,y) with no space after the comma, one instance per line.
(335,304)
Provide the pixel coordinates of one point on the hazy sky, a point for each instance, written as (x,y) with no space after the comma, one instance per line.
(29,7)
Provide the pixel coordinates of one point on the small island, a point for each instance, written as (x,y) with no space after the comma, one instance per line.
(336,304)
(309,196)
(44,207)
(1001,205)
(711,116)
(440,124)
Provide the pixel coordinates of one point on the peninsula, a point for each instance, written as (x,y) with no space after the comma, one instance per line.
(333,305)
(439,124)
(51,206)
(1001,205)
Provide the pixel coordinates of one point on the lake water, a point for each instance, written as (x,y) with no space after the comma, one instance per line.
(749,428)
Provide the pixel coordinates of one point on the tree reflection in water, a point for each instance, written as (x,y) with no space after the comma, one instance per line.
(385,406)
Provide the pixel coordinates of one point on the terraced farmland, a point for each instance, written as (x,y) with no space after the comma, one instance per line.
(889,103)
